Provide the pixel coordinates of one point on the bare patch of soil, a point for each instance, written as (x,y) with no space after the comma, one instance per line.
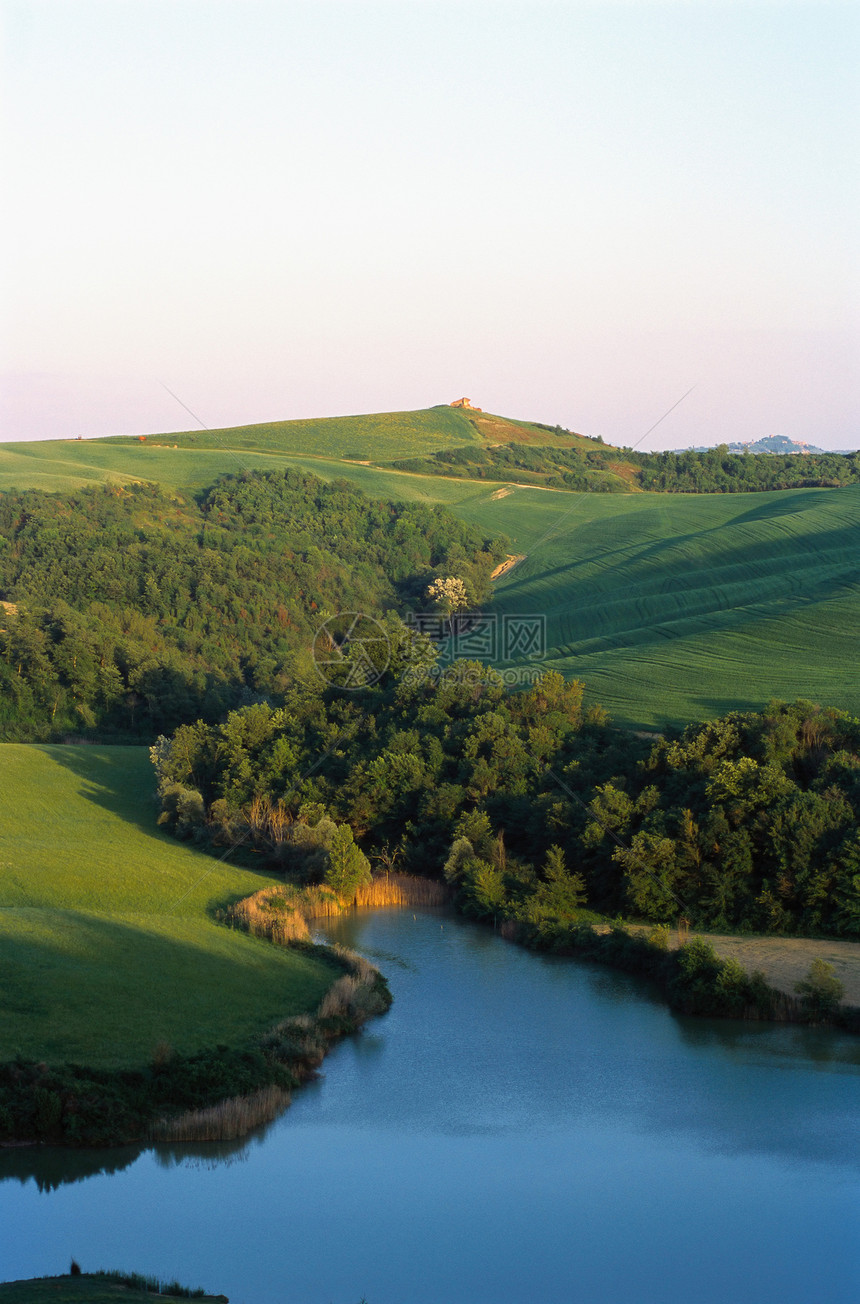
(508,564)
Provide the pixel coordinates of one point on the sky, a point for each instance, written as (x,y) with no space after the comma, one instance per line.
(569,212)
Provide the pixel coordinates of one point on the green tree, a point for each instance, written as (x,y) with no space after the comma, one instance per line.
(820,991)
(561,893)
(348,866)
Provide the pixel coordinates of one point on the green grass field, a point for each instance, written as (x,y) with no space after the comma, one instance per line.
(678,607)
(192,459)
(108,946)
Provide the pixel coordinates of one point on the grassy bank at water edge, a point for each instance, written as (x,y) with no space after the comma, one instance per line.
(109,949)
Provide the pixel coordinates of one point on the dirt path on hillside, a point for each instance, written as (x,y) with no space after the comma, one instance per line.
(507,565)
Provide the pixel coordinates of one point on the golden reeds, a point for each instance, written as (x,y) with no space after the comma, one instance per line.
(281,912)
(401,890)
(362,969)
(268,914)
(340,999)
(225,1121)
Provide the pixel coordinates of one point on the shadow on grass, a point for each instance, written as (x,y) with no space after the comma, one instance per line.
(803,564)
(120,780)
(105,992)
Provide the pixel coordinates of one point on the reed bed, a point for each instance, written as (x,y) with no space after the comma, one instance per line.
(360,967)
(401,890)
(225,1121)
(281,913)
(316,902)
(340,999)
(268,914)
(298,1040)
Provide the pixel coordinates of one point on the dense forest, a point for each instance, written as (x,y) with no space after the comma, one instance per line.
(533,808)
(602,469)
(128,611)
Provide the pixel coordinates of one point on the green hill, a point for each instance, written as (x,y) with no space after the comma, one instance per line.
(108,947)
(192,459)
(678,607)
(441,441)
(672,606)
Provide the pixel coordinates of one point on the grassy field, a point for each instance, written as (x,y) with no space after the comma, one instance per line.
(88,1288)
(678,607)
(107,942)
(192,459)
(376,435)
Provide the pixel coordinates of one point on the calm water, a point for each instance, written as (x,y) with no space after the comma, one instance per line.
(516,1130)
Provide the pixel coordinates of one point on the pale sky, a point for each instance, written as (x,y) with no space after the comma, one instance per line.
(570,212)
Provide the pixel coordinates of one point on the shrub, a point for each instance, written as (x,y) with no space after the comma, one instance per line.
(820,991)
(705,984)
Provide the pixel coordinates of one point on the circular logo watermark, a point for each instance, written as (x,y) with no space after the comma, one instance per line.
(351,650)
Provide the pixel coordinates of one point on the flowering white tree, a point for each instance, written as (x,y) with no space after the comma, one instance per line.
(449,594)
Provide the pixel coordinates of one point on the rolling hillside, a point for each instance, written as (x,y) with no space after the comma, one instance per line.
(678,607)
(671,606)
(193,459)
(108,947)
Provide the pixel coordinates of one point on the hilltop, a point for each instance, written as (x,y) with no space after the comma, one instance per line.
(394,454)
(192,459)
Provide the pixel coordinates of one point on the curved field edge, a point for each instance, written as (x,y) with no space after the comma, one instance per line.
(123,997)
(219,1094)
(109,945)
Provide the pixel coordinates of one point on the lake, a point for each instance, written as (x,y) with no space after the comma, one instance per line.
(516,1130)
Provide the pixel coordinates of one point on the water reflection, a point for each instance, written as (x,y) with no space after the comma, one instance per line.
(792,1043)
(50,1168)
(551,1124)
(211,1154)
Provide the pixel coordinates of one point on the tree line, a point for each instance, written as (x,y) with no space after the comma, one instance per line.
(597,468)
(138,610)
(535,808)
